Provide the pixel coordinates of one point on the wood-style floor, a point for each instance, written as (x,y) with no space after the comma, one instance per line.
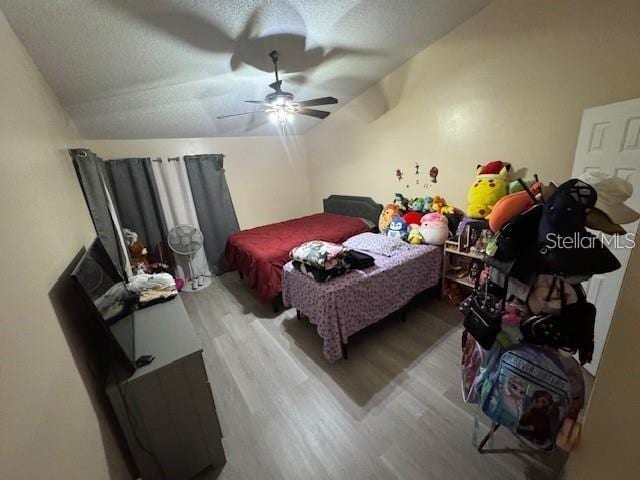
(391,411)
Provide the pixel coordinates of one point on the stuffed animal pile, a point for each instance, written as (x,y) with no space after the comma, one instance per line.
(418,220)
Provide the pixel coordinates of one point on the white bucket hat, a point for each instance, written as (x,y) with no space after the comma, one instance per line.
(612,193)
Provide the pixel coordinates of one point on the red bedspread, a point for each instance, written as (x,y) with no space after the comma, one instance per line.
(260,253)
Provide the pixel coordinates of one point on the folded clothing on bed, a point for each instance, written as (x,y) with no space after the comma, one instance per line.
(323,261)
(319,254)
(319,274)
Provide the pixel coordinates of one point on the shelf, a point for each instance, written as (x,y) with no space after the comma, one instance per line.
(465,254)
(462,281)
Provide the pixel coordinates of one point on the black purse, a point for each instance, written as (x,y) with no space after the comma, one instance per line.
(483,311)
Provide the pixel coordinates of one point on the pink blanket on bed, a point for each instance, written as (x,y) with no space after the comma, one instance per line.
(347,304)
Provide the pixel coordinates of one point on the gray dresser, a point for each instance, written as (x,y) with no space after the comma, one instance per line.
(169,417)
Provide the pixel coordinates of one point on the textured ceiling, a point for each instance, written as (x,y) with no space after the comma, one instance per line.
(167,68)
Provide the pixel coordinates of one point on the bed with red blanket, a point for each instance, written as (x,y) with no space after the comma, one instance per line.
(259,254)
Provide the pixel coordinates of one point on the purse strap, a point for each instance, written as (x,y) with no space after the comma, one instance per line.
(528,190)
(563,296)
(505,287)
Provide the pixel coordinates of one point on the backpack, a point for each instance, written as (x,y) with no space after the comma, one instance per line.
(530,394)
(476,366)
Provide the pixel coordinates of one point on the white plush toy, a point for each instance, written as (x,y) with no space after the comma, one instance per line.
(434,228)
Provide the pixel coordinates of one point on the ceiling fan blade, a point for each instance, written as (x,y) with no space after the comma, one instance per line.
(254,101)
(238,114)
(276,85)
(317,101)
(313,113)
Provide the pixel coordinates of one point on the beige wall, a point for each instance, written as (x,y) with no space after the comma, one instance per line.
(609,444)
(510,83)
(267,176)
(50,425)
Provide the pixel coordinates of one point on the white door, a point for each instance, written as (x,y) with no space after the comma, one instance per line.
(609,140)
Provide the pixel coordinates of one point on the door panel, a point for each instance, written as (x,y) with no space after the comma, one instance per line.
(609,140)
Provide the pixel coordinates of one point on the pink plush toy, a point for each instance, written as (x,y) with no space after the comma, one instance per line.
(434,228)
(434,217)
(511,319)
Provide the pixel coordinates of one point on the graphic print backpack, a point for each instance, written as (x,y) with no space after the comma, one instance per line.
(530,394)
(476,366)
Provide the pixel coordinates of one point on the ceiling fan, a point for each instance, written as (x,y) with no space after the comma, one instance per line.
(280,105)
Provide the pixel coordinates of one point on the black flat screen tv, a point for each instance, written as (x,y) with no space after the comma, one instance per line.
(110,303)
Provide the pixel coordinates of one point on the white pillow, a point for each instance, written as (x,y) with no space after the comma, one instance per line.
(376,243)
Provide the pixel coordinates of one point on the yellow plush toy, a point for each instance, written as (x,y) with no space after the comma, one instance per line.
(438,203)
(448,210)
(489,187)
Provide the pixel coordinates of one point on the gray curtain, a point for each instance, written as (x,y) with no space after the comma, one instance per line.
(93,177)
(214,208)
(136,196)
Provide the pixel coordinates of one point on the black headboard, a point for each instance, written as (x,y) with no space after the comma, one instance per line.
(352,206)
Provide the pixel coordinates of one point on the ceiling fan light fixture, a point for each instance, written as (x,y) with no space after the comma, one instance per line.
(279,115)
(280,105)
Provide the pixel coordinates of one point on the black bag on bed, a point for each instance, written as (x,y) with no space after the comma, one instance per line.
(359,260)
(319,274)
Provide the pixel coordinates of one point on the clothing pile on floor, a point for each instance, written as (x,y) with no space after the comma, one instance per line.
(153,288)
(323,261)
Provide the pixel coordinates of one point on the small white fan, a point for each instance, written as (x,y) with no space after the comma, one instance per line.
(186,241)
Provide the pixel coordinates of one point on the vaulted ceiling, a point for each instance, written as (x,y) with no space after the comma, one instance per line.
(167,68)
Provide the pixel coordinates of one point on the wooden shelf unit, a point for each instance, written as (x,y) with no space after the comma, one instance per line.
(450,249)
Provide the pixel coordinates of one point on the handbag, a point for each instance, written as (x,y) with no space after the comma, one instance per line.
(483,314)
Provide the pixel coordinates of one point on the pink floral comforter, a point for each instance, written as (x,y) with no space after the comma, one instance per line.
(347,304)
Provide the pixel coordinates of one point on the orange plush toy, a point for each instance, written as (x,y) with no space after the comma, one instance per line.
(386,216)
(139,260)
(510,206)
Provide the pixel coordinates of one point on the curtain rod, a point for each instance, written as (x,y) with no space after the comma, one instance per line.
(159,160)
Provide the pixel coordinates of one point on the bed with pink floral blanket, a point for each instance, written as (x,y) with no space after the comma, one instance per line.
(347,304)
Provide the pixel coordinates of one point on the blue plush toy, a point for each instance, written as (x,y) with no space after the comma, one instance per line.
(398,228)
(428,200)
